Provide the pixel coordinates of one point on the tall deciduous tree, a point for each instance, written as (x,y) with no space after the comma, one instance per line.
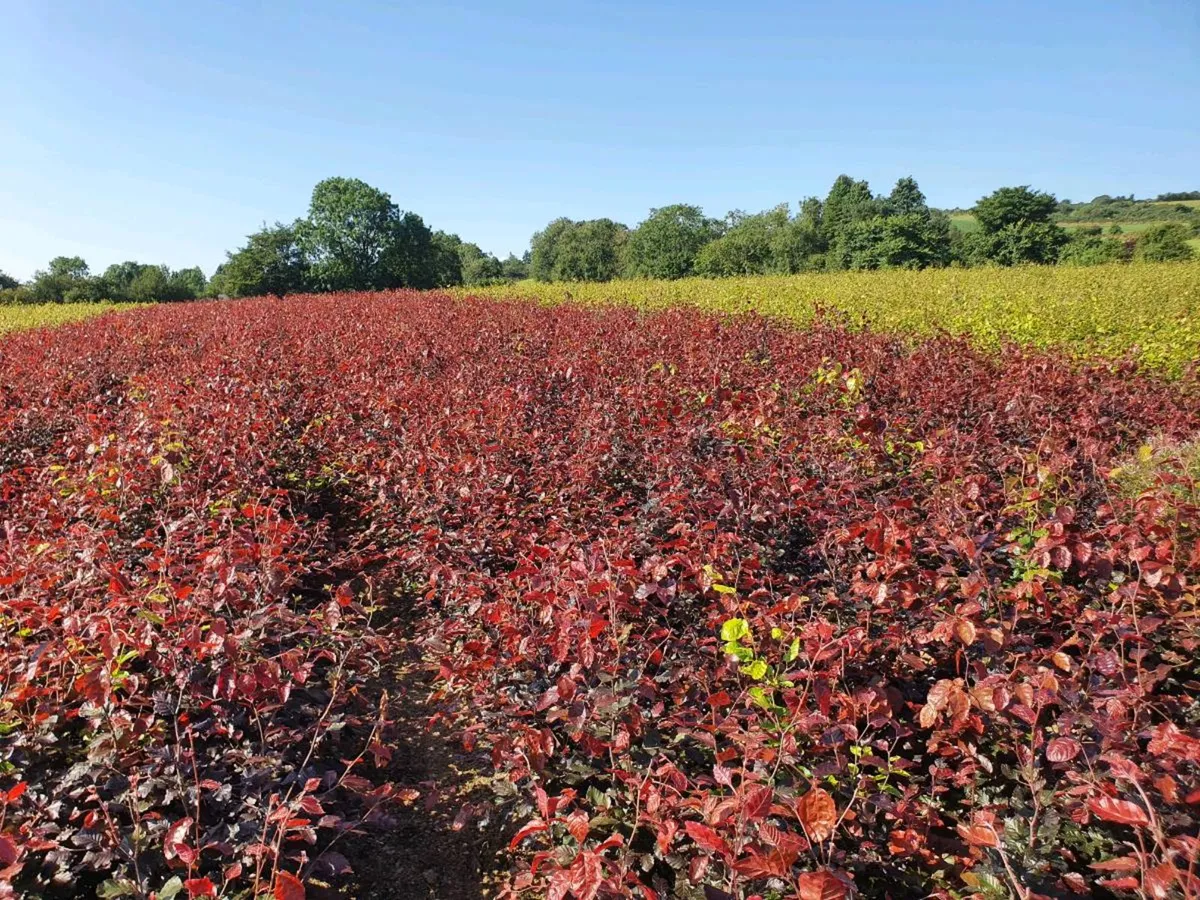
(566,250)
(1016,226)
(665,245)
(590,251)
(544,248)
(271,262)
(1014,206)
(447,261)
(356,238)
(66,280)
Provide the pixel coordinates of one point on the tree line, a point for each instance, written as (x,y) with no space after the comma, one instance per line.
(69,280)
(354,237)
(852,228)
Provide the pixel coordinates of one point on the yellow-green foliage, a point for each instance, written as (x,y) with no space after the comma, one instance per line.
(16,317)
(1099,310)
(1161,460)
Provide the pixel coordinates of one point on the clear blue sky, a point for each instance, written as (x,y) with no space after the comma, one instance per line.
(166,131)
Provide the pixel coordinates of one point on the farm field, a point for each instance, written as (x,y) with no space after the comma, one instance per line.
(405,595)
(13,318)
(1148,310)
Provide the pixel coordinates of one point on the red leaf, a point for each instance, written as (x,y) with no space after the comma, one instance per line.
(578,825)
(288,887)
(720,699)
(1121,884)
(9,852)
(1110,809)
(979,835)
(817,813)
(821,885)
(758,802)
(587,873)
(203,887)
(1062,749)
(756,865)
(16,792)
(174,840)
(1160,880)
(532,828)
(706,838)
(1119,864)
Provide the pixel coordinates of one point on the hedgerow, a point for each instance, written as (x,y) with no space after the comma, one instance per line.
(733,608)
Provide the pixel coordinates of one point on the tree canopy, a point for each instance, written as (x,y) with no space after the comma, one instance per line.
(355,237)
(666,243)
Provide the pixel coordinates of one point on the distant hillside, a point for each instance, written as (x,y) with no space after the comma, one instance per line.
(1179,206)
(1130,216)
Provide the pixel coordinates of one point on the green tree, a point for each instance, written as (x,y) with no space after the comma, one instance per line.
(1014,245)
(478,268)
(1167,242)
(65,280)
(912,240)
(186,284)
(271,262)
(355,238)
(1016,227)
(446,263)
(514,269)
(905,199)
(848,202)
(544,249)
(590,251)
(7,282)
(565,250)
(118,278)
(749,246)
(408,258)
(1090,250)
(151,285)
(1014,206)
(666,244)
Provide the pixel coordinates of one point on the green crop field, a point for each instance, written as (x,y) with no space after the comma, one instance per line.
(964,222)
(13,318)
(1150,310)
(1126,227)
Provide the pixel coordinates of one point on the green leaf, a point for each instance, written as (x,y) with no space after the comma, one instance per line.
(154,618)
(743,654)
(793,651)
(119,888)
(724,589)
(776,633)
(735,630)
(759,696)
(171,888)
(756,670)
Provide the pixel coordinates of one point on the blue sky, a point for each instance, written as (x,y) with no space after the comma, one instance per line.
(167,131)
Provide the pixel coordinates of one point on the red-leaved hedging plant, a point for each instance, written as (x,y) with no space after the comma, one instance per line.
(737,610)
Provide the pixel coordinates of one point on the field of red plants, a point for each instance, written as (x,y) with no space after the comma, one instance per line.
(722,609)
